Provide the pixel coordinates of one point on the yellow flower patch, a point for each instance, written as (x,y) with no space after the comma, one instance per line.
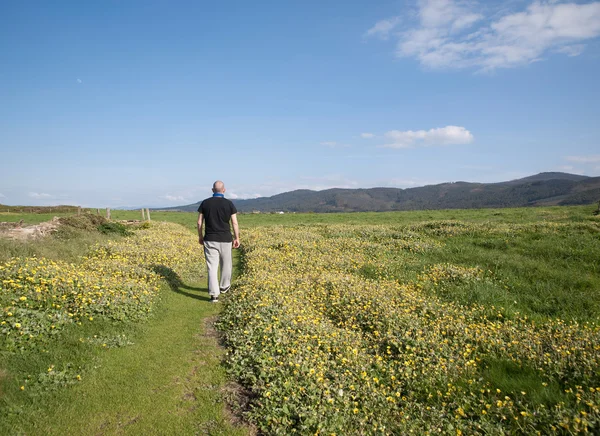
(305,323)
(119,280)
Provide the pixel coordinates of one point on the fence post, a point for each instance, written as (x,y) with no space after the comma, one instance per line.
(108,213)
(143,215)
(97,211)
(148,214)
(78,210)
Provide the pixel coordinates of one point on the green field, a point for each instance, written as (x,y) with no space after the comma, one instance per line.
(507,215)
(463,321)
(29,218)
(473,321)
(110,332)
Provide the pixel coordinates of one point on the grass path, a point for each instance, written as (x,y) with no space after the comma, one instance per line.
(170,381)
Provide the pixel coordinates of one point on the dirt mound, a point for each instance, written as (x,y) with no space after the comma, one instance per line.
(86,221)
(20,232)
(65,227)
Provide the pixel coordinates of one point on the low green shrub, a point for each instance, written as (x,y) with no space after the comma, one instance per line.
(114,228)
(86,221)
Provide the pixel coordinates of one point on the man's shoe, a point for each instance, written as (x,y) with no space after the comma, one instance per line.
(214,299)
(224,291)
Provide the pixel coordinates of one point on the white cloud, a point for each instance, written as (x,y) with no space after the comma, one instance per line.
(383,28)
(584,159)
(402,183)
(454,34)
(2,195)
(571,50)
(39,195)
(440,136)
(570,169)
(174,197)
(242,195)
(442,13)
(367,135)
(333,144)
(79,81)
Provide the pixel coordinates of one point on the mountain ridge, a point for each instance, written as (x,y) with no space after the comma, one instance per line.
(543,189)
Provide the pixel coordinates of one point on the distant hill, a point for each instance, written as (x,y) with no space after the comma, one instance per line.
(550,176)
(542,189)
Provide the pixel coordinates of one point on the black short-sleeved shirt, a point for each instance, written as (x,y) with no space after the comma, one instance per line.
(217,212)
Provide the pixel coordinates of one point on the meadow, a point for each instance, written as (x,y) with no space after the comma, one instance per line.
(100,327)
(441,322)
(464,322)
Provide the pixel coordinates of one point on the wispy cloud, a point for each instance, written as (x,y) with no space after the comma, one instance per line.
(383,28)
(584,159)
(275,187)
(456,34)
(333,144)
(173,197)
(403,183)
(367,135)
(441,136)
(570,169)
(327,182)
(39,195)
(243,195)
(571,50)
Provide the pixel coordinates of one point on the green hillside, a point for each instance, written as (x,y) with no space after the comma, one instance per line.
(546,189)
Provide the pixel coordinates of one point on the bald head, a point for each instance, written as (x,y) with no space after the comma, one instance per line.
(218,187)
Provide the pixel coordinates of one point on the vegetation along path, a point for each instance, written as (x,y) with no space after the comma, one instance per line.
(167,382)
(158,376)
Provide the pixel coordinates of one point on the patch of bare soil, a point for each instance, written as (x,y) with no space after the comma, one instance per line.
(18,231)
(237,398)
(209,328)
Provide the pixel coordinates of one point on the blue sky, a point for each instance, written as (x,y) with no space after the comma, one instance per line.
(116,104)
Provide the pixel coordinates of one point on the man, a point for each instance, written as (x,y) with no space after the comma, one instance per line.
(214,215)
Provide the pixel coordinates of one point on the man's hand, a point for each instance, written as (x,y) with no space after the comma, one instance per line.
(236,231)
(200,224)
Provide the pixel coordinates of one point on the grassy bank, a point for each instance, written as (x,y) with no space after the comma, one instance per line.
(366,323)
(188,219)
(511,215)
(160,377)
(474,324)
(107,367)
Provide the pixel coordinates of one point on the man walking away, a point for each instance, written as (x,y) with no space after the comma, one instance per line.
(214,216)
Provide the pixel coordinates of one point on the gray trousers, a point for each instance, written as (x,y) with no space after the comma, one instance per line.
(218,255)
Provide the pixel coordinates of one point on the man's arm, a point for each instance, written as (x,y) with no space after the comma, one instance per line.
(200,224)
(236,231)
